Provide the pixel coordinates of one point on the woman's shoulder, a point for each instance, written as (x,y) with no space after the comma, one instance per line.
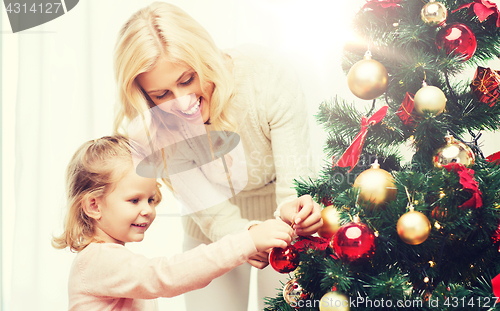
(254,56)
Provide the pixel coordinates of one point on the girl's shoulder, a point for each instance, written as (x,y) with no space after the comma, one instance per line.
(101,249)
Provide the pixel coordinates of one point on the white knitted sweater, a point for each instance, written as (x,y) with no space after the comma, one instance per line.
(274,132)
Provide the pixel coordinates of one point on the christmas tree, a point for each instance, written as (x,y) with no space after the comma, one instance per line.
(420,233)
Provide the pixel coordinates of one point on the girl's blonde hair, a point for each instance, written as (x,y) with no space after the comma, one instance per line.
(93,171)
(162,29)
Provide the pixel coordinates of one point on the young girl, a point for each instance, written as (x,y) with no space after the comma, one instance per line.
(110,205)
(166,61)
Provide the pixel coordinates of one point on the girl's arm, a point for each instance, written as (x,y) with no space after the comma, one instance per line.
(111,270)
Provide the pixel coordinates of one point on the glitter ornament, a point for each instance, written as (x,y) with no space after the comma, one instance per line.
(367,79)
(453,152)
(434,13)
(284,260)
(292,292)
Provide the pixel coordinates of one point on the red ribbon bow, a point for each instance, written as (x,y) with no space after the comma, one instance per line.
(494,158)
(351,155)
(469,184)
(381,4)
(495,283)
(483,10)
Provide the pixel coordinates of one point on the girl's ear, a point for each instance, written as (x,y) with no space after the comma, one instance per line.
(92,207)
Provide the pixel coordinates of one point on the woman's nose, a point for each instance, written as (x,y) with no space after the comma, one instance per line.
(184,102)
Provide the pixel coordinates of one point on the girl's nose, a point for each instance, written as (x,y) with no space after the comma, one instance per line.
(146,209)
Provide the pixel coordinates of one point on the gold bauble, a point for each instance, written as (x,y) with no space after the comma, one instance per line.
(429,98)
(453,152)
(434,13)
(331,222)
(367,79)
(292,292)
(334,301)
(376,185)
(413,228)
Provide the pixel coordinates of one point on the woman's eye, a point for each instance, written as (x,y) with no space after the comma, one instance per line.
(188,81)
(134,201)
(162,95)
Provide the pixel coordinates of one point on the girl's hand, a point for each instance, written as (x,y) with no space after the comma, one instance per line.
(259,260)
(271,233)
(305,213)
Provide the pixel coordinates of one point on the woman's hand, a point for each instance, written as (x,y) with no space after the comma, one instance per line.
(305,213)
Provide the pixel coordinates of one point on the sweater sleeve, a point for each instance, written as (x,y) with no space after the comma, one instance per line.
(111,270)
(285,109)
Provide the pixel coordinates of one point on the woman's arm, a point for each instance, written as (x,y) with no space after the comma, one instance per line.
(286,112)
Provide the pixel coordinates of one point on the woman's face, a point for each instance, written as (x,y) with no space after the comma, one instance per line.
(176,89)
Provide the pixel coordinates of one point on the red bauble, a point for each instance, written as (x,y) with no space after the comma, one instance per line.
(284,260)
(353,242)
(457,38)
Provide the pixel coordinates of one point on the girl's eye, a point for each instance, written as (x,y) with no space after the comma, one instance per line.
(151,200)
(134,201)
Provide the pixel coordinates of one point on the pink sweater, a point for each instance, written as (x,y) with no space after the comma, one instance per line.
(108,276)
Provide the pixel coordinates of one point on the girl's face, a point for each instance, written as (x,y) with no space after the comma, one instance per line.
(127,211)
(176,89)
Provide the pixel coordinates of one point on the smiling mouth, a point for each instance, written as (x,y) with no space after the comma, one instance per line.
(140,225)
(191,111)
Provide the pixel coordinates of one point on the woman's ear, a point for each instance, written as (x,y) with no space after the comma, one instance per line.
(92,207)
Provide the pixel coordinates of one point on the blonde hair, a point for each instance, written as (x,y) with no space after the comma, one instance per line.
(162,29)
(93,171)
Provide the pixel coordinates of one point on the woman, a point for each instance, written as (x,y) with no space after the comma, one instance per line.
(173,79)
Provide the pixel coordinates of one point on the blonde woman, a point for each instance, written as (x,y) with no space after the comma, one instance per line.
(165,60)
